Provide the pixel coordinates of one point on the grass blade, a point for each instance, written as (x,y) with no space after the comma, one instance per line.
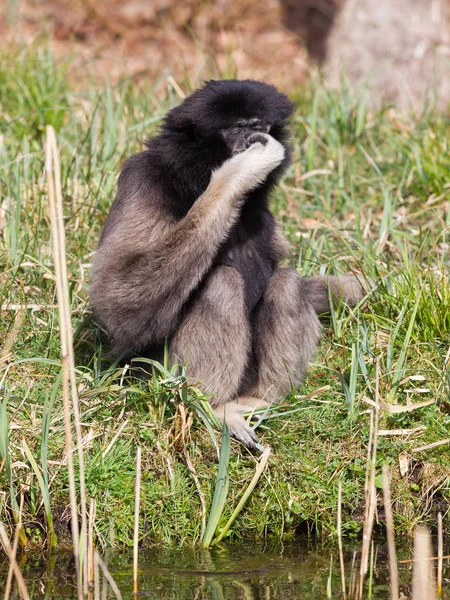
(400,366)
(45,494)
(221,489)
(251,486)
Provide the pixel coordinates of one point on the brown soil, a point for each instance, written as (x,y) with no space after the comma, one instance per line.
(194,39)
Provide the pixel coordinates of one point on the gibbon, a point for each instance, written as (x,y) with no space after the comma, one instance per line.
(190,253)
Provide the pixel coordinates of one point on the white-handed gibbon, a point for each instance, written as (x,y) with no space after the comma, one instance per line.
(190,254)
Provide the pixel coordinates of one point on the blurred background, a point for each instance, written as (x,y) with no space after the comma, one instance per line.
(401,48)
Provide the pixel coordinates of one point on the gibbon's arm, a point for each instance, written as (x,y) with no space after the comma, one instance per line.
(280,245)
(139,288)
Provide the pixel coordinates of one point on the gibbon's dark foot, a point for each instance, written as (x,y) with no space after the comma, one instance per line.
(239,426)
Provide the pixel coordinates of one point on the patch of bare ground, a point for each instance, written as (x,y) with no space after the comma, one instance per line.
(191,40)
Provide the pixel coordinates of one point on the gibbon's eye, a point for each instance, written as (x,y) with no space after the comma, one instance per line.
(235,131)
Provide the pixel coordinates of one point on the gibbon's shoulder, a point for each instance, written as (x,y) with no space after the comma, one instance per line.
(134,176)
(143,176)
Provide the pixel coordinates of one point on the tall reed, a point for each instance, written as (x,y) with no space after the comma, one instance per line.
(68,362)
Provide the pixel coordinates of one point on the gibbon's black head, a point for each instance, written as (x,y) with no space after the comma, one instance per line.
(218,120)
(232,110)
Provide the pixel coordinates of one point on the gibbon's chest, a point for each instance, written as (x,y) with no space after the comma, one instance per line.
(249,250)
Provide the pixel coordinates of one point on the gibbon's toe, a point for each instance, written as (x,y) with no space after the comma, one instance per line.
(241,430)
(238,427)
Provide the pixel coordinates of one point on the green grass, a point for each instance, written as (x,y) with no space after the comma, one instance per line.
(367,191)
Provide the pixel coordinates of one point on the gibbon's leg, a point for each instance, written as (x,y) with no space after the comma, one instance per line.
(214,342)
(286,332)
(345,288)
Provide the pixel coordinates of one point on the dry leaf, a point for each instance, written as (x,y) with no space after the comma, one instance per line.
(396,408)
(403,463)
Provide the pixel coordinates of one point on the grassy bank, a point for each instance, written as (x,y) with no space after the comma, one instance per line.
(366,192)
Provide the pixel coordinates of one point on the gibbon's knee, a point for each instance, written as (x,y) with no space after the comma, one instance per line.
(344,288)
(213,339)
(287,331)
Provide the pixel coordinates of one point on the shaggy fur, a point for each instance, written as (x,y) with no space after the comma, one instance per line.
(190,249)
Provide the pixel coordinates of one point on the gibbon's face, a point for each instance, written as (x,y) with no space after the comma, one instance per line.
(230,112)
(241,134)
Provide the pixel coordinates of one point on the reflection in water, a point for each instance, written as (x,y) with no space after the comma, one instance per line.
(227,572)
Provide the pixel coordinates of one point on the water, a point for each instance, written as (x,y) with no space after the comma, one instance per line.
(227,572)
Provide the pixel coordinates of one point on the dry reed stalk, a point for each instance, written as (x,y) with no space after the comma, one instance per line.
(352,583)
(105,586)
(339,534)
(371,494)
(190,466)
(14,550)
(368,463)
(23,592)
(92,512)
(393,567)
(113,441)
(407,561)
(137,497)
(67,355)
(6,351)
(423,587)
(96,579)
(440,556)
(71,354)
(23,307)
(432,445)
(107,575)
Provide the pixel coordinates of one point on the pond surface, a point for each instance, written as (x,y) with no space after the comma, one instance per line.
(226,572)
